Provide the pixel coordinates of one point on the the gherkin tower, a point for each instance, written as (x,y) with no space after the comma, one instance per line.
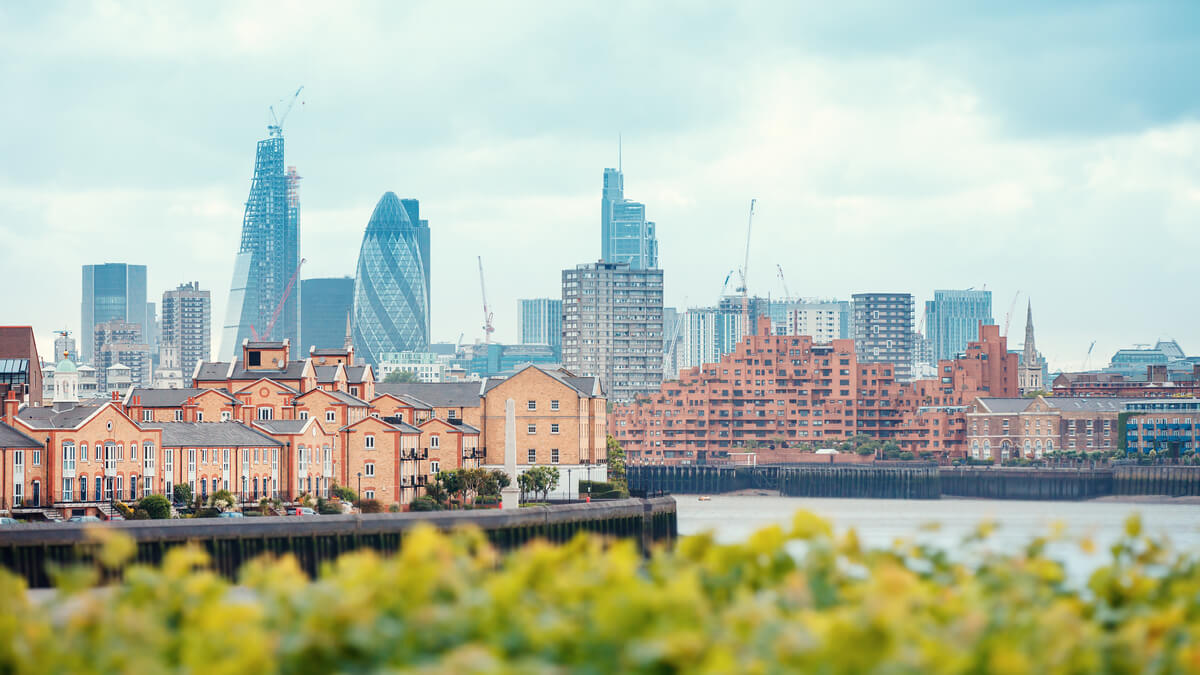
(391,287)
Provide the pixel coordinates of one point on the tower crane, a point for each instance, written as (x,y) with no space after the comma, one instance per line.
(488,329)
(276,128)
(287,291)
(787,295)
(745,272)
(1087,359)
(1011,308)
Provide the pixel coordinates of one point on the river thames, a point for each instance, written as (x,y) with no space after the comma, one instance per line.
(879,522)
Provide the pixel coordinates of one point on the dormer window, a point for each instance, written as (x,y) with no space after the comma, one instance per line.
(253,358)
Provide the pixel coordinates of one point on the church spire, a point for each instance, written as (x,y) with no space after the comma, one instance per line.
(1030,346)
(349,341)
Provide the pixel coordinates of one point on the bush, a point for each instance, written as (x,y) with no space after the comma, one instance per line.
(343,493)
(207,512)
(370,506)
(425,504)
(906,455)
(123,509)
(140,514)
(182,493)
(602,490)
(327,508)
(156,507)
(453,604)
(394,508)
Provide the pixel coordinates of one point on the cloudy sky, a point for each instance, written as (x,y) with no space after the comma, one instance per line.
(1045,148)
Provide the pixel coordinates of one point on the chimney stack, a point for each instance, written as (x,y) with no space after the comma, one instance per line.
(11,405)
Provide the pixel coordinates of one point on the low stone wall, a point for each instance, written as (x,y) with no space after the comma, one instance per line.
(27,549)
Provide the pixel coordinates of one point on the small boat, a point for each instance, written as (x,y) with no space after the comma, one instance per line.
(705,498)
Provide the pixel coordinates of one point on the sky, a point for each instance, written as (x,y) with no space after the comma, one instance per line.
(1044,150)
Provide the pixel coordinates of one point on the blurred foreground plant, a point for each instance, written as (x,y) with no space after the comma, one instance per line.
(797,599)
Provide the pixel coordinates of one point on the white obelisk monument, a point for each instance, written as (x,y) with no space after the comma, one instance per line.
(510,497)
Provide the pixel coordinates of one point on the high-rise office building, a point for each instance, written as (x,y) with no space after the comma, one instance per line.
(883,330)
(540,322)
(325,312)
(391,288)
(625,234)
(187,326)
(119,346)
(823,320)
(613,326)
(952,320)
(702,335)
(64,344)
(268,260)
(111,292)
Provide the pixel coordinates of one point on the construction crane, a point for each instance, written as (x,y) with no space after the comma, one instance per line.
(488,329)
(787,295)
(745,272)
(276,128)
(1087,359)
(1011,308)
(287,291)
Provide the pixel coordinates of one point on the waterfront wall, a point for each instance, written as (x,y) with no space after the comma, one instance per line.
(28,549)
(922,481)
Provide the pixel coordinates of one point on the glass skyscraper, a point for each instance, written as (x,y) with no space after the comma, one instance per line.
(952,320)
(541,322)
(625,234)
(269,256)
(327,304)
(112,291)
(391,288)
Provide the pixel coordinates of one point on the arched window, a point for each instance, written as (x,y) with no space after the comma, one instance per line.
(255,483)
(83,486)
(975,449)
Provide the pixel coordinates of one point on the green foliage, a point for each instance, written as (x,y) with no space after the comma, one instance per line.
(156,507)
(616,461)
(370,506)
(182,492)
(222,500)
(425,503)
(398,376)
(906,455)
(1036,393)
(343,493)
(328,508)
(602,490)
(538,481)
(788,599)
(123,509)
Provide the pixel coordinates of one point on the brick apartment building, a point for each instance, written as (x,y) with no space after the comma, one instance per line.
(270,426)
(1013,428)
(775,392)
(1158,383)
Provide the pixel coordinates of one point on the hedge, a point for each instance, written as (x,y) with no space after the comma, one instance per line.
(602,490)
(785,600)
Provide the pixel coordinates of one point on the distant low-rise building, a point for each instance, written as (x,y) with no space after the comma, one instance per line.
(1167,427)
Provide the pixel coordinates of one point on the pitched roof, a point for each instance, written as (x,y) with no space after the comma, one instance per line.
(293,371)
(356,374)
(436,394)
(340,396)
(10,437)
(219,434)
(464,426)
(1089,403)
(585,386)
(281,385)
(327,374)
(400,424)
(282,426)
(329,351)
(210,371)
(168,398)
(46,417)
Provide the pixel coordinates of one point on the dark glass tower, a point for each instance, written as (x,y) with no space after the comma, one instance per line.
(112,291)
(269,255)
(391,288)
(625,234)
(327,307)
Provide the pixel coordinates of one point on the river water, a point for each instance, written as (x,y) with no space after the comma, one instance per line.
(880,522)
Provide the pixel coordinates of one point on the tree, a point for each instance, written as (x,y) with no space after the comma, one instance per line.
(501,478)
(616,461)
(182,493)
(401,376)
(451,481)
(222,500)
(343,493)
(156,507)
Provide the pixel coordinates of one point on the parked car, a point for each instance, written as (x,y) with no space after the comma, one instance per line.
(302,511)
(84,519)
(9,521)
(230,514)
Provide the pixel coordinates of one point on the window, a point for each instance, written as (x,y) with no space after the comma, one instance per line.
(370,468)
(225,415)
(532,456)
(369,493)
(554,428)
(204,455)
(68,459)
(67,484)
(434,467)
(554,455)
(434,441)
(451,414)
(133,451)
(147,485)
(199,416)
(37,457)
(147,415)
(83,488)
(531,428)
(178,415)
(264,413)
(83,452)
(330,416)
(554,404)
(369,439)
(148,457)
(253,358)
(303,414)
(531,405)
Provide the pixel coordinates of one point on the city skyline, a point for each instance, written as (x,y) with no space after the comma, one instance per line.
(760,114)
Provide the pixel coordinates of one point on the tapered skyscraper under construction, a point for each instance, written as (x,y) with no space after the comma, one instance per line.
(391,288)
(264,297)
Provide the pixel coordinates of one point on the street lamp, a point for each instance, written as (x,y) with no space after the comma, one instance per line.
(568,484)
(360,486)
